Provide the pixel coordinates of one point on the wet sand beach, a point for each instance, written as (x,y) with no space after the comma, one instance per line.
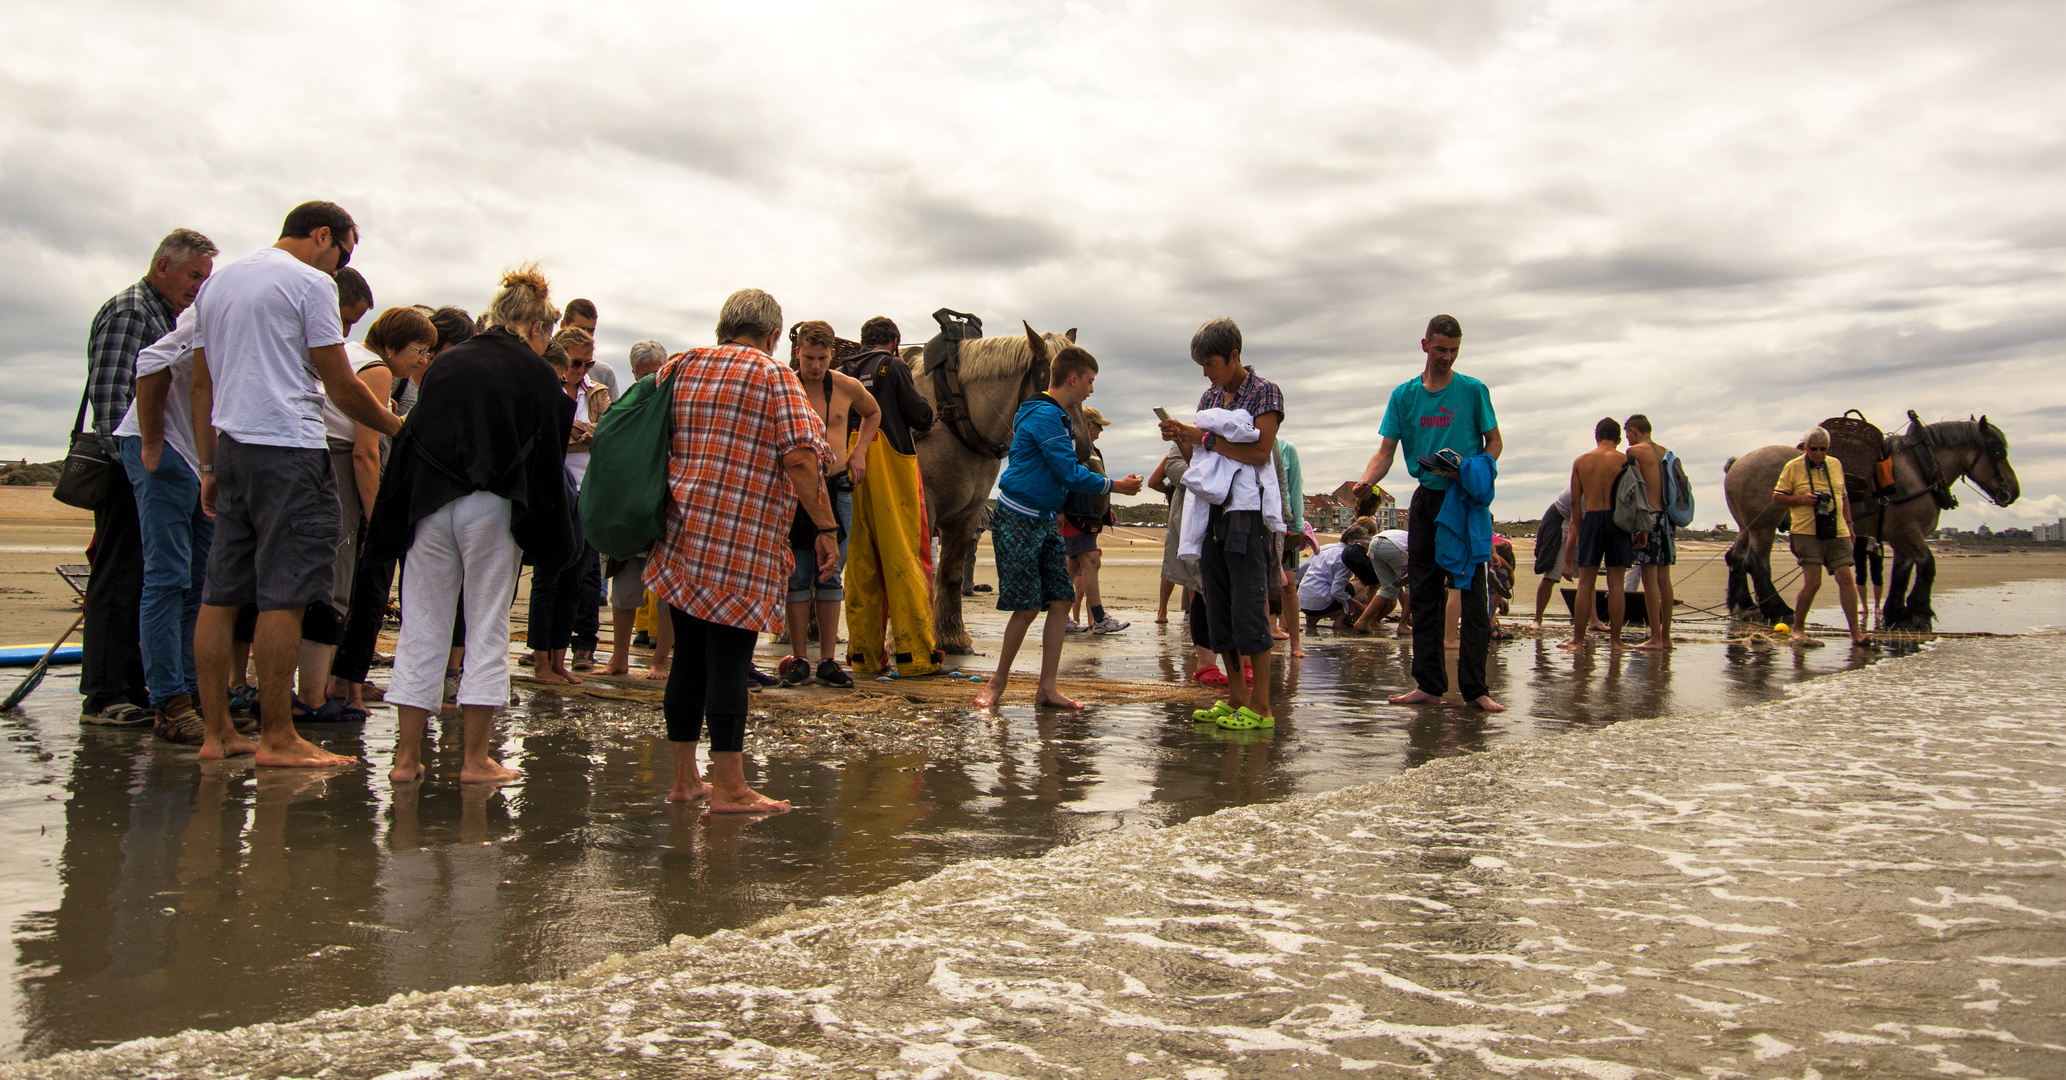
(1863,879)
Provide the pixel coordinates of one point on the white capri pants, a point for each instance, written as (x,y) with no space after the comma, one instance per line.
(463,543)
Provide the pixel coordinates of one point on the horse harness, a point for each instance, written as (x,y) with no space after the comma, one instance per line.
(943,363)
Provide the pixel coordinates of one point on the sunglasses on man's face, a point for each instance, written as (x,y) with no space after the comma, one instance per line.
(344,254)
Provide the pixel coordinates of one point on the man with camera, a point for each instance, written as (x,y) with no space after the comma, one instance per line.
(1813,486)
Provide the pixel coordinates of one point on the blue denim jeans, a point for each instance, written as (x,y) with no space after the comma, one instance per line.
(176,538)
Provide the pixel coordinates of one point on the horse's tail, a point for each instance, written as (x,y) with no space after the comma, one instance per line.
(1729,464)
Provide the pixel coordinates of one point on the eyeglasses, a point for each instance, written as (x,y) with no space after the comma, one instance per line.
(421,349)
(581,363)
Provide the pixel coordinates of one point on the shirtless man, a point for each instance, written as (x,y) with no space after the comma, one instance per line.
(833,394)
(1654,554)
(1592,536)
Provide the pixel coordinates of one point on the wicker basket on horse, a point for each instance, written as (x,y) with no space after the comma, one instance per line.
(1860,447)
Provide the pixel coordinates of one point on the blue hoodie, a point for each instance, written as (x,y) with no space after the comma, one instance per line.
(1043,465)
(1463,530)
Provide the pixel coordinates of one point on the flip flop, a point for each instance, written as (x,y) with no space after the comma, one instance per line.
(1244,718)
(1212,715)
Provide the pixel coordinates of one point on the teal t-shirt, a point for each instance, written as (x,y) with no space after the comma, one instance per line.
(1455,419)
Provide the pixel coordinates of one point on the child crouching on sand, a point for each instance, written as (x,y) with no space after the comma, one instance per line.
(1032,572)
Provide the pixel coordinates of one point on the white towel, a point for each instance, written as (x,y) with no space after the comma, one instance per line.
(1211,479)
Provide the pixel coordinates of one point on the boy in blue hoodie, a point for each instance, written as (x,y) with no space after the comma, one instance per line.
(1032,572)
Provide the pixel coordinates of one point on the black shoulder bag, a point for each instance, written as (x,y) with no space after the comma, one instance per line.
(88,473)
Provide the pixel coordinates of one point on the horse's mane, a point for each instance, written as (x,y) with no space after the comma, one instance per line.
(1967,435)
(992,358)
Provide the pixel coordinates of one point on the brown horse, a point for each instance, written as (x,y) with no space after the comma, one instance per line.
(996,375)
(1973,449)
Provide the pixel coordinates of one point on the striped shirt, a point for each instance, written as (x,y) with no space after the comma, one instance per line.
(725,555)
(130,322)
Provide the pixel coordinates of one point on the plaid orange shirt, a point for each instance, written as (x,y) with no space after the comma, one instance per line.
(725,557)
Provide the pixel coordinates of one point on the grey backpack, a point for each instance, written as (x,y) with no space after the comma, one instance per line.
(1632,513)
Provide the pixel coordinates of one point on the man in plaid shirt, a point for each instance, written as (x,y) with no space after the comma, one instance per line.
(745,446)
(134,319)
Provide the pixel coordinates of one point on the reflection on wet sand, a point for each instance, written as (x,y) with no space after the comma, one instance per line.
(219,895)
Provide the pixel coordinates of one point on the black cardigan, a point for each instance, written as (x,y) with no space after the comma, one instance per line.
(490,416)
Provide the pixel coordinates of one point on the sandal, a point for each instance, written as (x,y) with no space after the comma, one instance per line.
(1212,715)
(1244,718)
(1210,675)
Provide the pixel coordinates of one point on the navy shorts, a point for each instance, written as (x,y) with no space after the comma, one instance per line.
(1599,538)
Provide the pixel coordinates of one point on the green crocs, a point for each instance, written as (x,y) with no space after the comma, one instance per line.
(1219,711)
(1244,718)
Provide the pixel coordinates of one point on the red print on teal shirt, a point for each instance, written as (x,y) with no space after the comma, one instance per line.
(1441,418)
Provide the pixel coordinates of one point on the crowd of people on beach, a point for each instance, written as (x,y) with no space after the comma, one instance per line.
(278,483)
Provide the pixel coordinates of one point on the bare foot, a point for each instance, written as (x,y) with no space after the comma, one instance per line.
(300,754)
(1573,643)
(487,772)
(1650,645)
(1053,699)
(1280,635)
(1485,702)
(683,793)
(1161,618)
(991,693)
(565,676)
(1298,653)
(659,672)
(547,674)
(745,800)
(400,775)
(1615,643)
(234,746)
(1415,696)
(618,667)
(1538,626)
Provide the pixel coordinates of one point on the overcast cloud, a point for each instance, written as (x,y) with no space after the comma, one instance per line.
(1737,217)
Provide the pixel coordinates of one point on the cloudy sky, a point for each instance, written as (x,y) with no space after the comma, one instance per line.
(1738,217)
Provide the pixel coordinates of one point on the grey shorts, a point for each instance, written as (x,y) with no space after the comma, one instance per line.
(629,584)
(275,527)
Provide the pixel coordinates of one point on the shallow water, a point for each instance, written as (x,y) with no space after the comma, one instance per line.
(147,893)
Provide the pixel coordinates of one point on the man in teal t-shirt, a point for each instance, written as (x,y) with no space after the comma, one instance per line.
(1437,410)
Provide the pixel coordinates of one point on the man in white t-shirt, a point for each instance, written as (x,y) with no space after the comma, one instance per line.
(268,343)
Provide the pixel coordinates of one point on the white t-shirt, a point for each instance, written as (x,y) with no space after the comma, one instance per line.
(577,460)
(336,425)
(259,317)
(176,351)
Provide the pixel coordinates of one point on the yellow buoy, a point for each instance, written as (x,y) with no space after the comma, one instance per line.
(1779,628)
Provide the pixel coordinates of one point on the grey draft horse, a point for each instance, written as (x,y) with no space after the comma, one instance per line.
(1973,449)
(994,381)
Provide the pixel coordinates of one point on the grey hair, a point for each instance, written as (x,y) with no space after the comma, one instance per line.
(1218,337)
(748,313)
(180,245)
(648,352)
(1816,434)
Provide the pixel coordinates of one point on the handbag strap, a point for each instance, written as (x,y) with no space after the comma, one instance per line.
(85,396)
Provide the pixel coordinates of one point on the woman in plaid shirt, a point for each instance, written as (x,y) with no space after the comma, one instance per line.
(745,446)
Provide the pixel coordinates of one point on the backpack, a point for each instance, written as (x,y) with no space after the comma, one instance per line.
(1632,513)
(624,493)
(1678,491)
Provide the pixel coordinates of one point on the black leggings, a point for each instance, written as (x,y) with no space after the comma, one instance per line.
(708,681)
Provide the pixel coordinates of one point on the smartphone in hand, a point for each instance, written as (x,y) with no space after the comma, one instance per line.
(1161,413)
